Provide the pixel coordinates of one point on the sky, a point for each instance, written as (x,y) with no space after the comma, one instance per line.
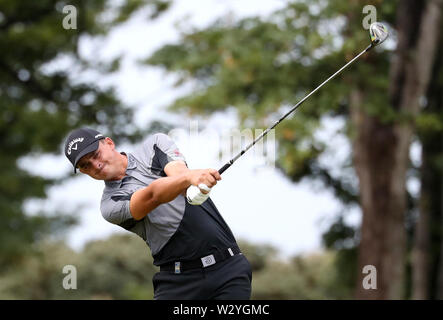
(257,201)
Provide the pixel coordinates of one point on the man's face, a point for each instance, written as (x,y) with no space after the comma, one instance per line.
(100,164)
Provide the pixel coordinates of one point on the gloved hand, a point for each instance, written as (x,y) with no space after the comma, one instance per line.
(195,196)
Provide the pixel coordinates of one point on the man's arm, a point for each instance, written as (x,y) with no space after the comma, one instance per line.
(166,189)
(160,191)
(175,167)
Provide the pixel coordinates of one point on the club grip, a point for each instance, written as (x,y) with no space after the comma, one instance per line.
(223,169)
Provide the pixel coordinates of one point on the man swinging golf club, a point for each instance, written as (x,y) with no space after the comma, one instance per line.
(145,193)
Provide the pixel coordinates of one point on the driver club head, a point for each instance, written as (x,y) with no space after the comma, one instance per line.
(378,32)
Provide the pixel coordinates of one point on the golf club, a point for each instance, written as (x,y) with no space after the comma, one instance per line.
(378,33)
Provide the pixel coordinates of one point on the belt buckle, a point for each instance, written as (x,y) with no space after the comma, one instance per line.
(208,261)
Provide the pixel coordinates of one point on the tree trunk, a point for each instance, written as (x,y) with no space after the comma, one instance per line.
(378,151)
(433,146)
(440,270)
(426,252)
(420,251)
(381,151)
(428,247)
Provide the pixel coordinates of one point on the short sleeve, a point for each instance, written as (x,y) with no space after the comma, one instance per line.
(115,209)
(164,151)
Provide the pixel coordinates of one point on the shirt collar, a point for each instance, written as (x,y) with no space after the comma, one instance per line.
(132,164)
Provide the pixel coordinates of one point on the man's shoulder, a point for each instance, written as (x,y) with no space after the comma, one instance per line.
(110,188)
(146,147)
(147,143)
(156,138)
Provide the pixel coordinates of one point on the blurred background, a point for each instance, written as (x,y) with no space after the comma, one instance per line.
(353,178)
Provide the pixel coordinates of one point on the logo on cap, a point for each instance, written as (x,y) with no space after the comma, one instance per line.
(73,144)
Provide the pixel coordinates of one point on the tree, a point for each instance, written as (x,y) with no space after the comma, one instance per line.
(40,103)
(381,149)
(428,242)
(111,268)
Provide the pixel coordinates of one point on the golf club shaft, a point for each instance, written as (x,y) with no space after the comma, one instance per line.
(230,162)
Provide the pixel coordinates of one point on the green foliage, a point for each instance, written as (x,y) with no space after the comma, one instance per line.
(258,256)
(39,106)
(119,267)
(39,274)
(343,239)
(314,276)
(261,67)
(122,268)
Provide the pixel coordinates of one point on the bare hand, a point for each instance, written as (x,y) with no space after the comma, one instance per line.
(208,177)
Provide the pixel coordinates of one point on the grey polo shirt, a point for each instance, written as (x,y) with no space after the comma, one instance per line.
(174,231)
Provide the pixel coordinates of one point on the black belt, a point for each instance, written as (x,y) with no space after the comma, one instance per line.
(206,261)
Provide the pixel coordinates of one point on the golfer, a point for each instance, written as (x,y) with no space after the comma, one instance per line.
(145,193)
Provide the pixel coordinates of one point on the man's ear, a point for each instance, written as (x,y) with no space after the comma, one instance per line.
(110,142)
